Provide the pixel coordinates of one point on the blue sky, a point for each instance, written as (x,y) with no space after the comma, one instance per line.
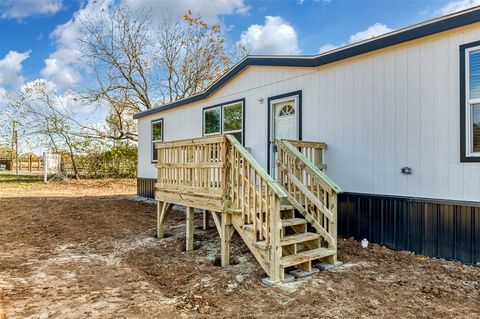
(38,37)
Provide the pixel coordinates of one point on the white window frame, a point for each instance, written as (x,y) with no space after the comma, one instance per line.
(468,106)
(155,141)
(223,119)
(205,110)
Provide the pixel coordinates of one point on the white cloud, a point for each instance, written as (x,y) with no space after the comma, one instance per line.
(10,79)
(458,5)
(61,67)
(372,31)
(327,47)
(10,68)
(210,10)
(276,36)
(3,101)
(64,64)
(18,9)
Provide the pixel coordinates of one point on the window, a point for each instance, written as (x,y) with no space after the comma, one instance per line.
(212,121)
(470,116)
(287,110)
(157,136)
(224,119)
(233,120)
(475,127)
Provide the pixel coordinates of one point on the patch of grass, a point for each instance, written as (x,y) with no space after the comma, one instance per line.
(35,182)
(12,178)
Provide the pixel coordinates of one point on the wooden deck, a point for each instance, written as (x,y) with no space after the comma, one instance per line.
(286,223)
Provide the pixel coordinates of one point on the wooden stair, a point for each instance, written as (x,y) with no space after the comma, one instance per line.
(297,235)
(305,256)
(291,240)
(293,222)
(285,223)
(298,238)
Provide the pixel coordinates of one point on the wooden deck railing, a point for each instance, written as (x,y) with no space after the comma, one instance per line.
(193,172)
(253,192)
(312,192)
(258,197)
(313,151)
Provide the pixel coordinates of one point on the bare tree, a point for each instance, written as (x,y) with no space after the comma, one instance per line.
(117,44)
(40,115)
(191,55)
(139,64)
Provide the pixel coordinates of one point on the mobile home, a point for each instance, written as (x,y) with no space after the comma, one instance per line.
(398,117)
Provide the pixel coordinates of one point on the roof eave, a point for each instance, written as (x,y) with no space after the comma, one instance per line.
(420,30)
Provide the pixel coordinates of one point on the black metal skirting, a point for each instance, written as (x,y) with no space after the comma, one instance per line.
(442,229)
(146,187)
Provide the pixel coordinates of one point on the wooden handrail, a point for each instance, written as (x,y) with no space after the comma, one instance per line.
(274,186)
(308,144)
(191,141)
(316,172)
(310,191)
(257,197)
(313,151)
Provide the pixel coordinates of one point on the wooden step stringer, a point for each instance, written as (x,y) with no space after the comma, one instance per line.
(288,243)
(249,238)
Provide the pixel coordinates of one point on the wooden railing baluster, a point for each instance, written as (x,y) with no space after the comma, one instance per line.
(310,191)
(262,190)
(193,171)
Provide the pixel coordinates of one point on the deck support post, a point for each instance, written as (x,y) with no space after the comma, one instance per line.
(225,236)
(189,229)
(205,219)
(163,209)
(276,272)
(159,220)
(332,227)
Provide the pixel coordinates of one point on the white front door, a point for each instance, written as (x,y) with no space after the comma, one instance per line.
(285,125)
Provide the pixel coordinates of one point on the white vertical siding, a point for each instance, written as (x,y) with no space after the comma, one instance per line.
(390,172)
(145,168)
(413,107)
(440,120)
(455,171)
(379,124)
(377,113)
(400,145)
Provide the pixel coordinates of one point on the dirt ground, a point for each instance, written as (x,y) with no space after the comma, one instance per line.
(87,250)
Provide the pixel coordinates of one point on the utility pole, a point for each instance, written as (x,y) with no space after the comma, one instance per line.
(13,136)
(12,152)
(15,142)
